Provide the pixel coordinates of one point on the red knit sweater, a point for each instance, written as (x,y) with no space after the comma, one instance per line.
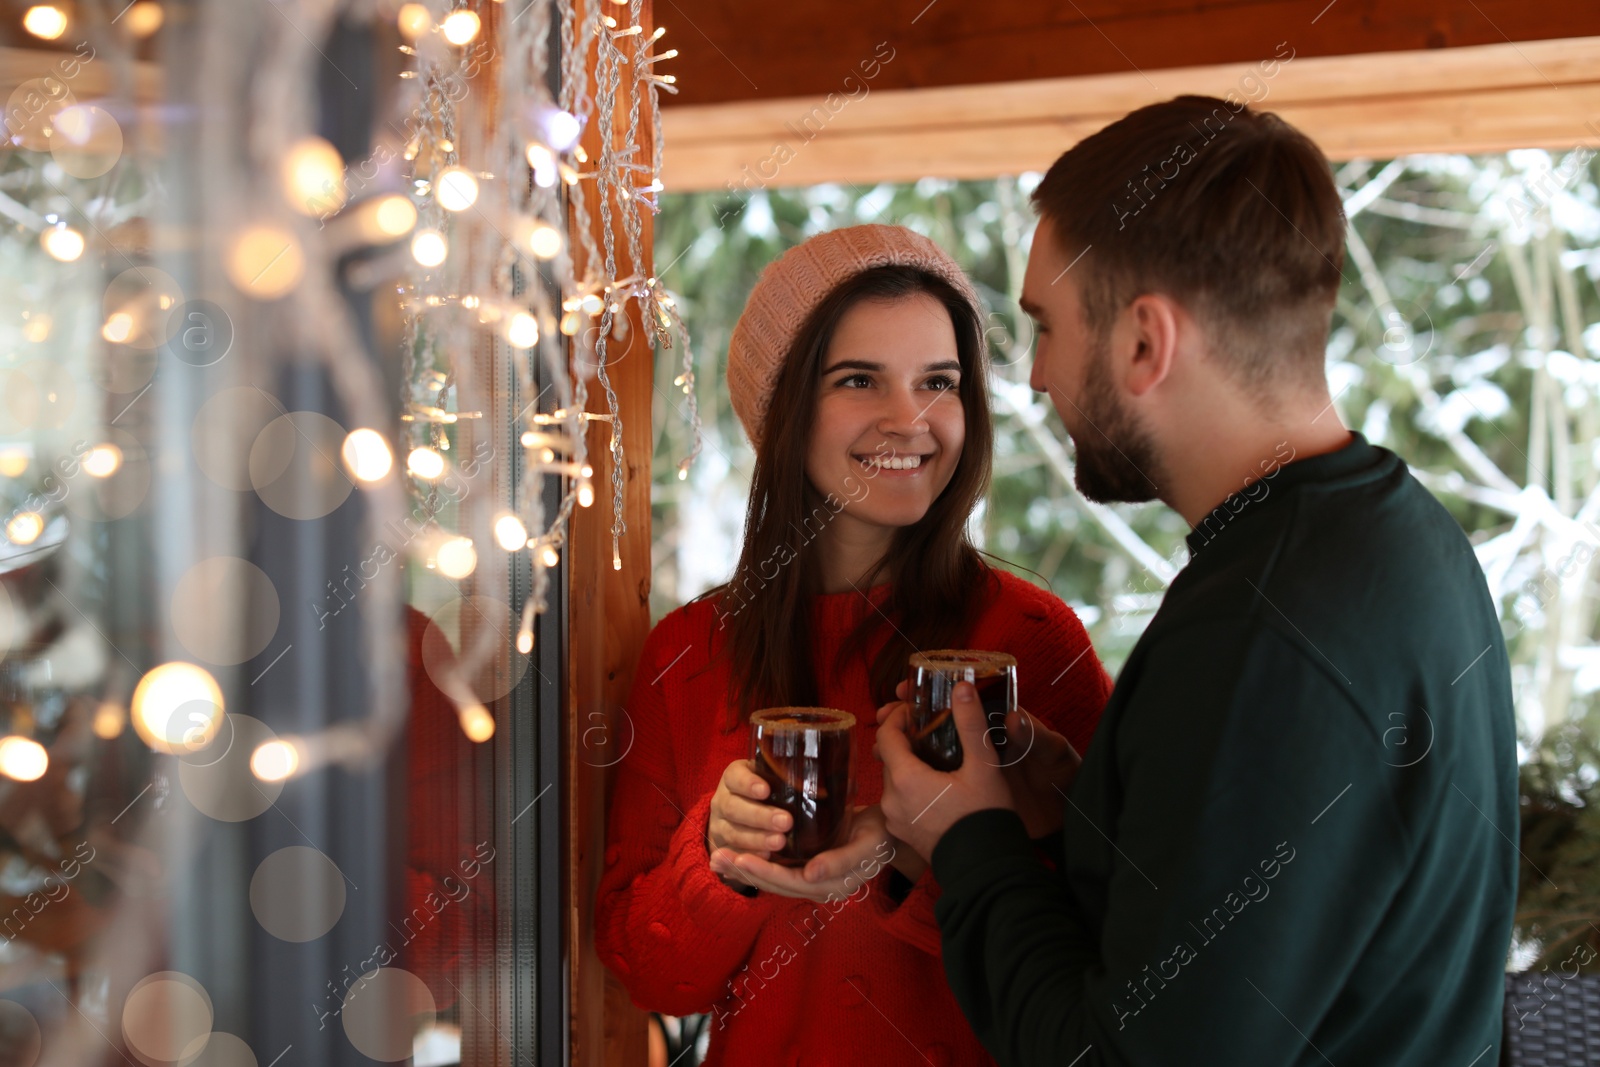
(794,982)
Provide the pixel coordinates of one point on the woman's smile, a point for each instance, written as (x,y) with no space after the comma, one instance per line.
(890,392)
(901,464)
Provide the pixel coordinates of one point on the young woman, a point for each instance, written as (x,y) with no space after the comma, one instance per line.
(858,371)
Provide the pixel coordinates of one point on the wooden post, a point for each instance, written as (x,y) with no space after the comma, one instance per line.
(608,621)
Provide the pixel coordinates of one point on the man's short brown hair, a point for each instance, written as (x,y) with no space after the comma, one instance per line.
(1230,211)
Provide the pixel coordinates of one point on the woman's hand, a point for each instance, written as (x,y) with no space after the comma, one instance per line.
(739,820)
(1040,777)
(839,872)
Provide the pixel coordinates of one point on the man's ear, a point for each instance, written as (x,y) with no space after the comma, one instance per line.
(1152,325)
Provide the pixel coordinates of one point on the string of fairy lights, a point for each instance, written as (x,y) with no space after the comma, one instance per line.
(516,242)
(544,157)
(515,202)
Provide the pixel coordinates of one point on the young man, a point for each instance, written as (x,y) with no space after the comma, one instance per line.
(1292,840)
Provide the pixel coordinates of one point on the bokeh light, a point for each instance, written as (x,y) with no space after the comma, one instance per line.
(393,216)
(62,243)
(118,328)
(429,248)
(275,761)
(109,721)
(366,455)
(87,141)
(414,20)
(24,527)
(510,534)
(545,241)
(45,21)
(313,177)
(456,558)
(425,463)
(177,707)
(144,18)
(523,330)
(265,262)
(102,461)
(460,27)
(23,759)
(14,462)
(477,723)
(455,188)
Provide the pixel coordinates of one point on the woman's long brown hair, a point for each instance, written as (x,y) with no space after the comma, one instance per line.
(766,607)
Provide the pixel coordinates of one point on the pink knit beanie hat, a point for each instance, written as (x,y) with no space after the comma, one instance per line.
(792,286)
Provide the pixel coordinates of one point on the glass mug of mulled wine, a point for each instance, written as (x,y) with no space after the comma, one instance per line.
(933,677)
(807,758)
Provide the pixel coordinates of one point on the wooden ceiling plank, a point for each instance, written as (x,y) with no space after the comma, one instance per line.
(1570,61)
(915,136)
(804,49)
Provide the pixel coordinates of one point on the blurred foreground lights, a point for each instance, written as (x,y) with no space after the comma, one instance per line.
(543,162)
(510,534)
(456,558)
(455,188)
(460,27)
(265,262)
(428,248)
(523,330)
(545,241)
(87,140)
(415,20)
(425,463)
(62,243)
(561,129)
(313,177)
(109,721)
(14,462)
(549,556)
(118,328)
(585,495)
(45,21)
(394,215)
(366,455)
(24,527)
(477,723)
(102,461)
(274,761)
(177,708)
(38,328)
(144,18)
(23,759)
(525,641)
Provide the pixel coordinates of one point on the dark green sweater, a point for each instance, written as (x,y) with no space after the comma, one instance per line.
(1292,840)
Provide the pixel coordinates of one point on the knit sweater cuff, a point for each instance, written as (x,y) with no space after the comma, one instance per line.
(715,908)
(970,852)
(911,920)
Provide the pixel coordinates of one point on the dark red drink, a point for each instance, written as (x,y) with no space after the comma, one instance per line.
(932,727)
(807,757)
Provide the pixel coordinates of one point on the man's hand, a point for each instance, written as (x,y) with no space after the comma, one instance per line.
(1040,777)
(920,803)
(739,820)
(838,872)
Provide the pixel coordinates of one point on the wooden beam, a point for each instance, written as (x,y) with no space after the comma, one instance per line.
(87,76)
(1483,99)
(807,49)
(608,619)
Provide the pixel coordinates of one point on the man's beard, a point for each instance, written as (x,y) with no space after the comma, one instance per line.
(1116,456)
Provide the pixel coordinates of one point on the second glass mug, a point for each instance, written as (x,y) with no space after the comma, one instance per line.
(933,677)
(807,758)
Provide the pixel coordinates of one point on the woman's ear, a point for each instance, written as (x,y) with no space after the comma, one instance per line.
(1152,324)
